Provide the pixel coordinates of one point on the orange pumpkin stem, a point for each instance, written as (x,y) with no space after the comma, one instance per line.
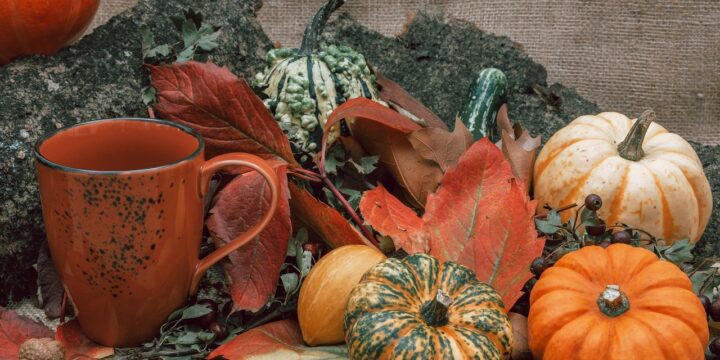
(613,302)
(631,147)
(434,312)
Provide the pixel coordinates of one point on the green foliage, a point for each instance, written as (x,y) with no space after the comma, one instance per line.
(198,38)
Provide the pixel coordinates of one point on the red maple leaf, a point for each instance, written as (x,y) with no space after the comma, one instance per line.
(480,217)
(15,330)
(77,346)
(253,268)
(221,107)
(277,340)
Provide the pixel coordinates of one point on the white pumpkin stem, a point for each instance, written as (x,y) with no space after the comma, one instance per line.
(631,147)
(613,302)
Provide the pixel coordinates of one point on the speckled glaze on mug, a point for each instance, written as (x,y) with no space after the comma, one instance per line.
(122,202)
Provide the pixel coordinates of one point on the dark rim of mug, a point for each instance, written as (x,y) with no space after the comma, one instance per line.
(42,159)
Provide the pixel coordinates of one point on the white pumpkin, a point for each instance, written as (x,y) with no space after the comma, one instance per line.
(648,178)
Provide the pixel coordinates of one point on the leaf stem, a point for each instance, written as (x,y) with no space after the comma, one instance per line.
(350,210)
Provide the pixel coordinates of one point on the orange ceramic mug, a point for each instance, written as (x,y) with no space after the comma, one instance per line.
(123,208)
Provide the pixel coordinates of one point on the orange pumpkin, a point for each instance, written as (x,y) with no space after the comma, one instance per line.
(326,290)
(42,26)
(616,303)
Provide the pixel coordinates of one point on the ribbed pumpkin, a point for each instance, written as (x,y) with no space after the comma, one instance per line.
(325,292)
(418,308)
(304,85)
(616,303)
(42,26)
(647,177)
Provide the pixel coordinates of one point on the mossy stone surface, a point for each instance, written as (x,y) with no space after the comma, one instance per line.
(437,61)
(100,77)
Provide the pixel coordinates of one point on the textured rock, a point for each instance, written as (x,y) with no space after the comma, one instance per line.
(436,61)
(100,77)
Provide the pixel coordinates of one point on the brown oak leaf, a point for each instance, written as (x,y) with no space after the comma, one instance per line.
(440,146)
(394,94)
(392,218)
(518,146)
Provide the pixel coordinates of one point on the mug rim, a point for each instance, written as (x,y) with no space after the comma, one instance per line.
(53,165)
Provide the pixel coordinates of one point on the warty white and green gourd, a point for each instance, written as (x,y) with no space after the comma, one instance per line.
(304,85)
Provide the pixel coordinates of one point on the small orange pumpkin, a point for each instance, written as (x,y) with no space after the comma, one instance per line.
(616,303)
(42,26)
(326,290)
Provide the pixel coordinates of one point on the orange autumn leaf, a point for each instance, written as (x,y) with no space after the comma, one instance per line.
(77,346)
(392,218)
(15,330)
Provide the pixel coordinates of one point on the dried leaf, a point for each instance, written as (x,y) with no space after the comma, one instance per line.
(221,107)
(440,146)
(384,132)
(482,218)
(15,330)
(50,288)
(277,340)
(77,346)
(392,218)
(518,147)
(323,219)
(254,268)
(520,348)
(393,94)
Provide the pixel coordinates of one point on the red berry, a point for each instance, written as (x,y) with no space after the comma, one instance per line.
(595,230)
(705,301)
(715,310)
(621,237)
(715,346)
(604,243)
(593,202)
(538,266)
(219,330)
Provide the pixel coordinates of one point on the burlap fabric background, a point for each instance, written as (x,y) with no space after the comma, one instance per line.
(624,55)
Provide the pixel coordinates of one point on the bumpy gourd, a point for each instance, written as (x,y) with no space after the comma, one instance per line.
(616,303)
(304,85)
(646,176)
(418,308)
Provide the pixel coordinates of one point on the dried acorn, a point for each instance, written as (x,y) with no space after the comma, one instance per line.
(209,318)
(41,349)
(593,202)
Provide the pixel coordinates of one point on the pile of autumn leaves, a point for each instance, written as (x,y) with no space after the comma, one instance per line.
(474,209)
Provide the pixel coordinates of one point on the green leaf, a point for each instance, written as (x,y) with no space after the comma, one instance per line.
(186,55)
(190,34)
(334,159)
(589,218)
(290,282)
(195,311)
(679,252)
(160,50)
(148,41)
(305,263)
(187,338)
(553,217)
(545,227)
(208,38)
(195,16)
(705,279)
(148,95)
(367,164)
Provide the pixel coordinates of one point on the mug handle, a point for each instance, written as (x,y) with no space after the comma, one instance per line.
(207,170)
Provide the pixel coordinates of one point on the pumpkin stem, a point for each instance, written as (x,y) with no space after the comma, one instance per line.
(631,147)
(311,37)
(613,302)
(434,312)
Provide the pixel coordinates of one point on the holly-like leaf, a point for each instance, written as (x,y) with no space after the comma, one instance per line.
(679,252)
(254,268)
(323,219)
(518,146)
(77,346)
(221,107)
(50,288)
(440,146)
(277,340)
(396,96)
(482,218)
(386,214)
(15,330)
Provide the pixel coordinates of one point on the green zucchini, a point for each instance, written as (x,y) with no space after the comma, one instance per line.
(487,94)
